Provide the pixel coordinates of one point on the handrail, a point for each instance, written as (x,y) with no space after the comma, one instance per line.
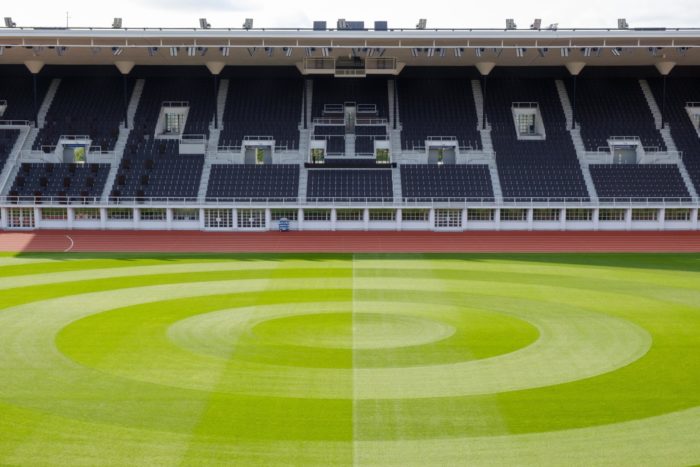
(463,202)
(175,104)
(258,138)
(15,123)
(73,137)
(525,105)
(193,139)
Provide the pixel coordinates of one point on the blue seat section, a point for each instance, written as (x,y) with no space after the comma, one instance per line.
(459,182)
(365,136)
(338,91)
(613,107)
(263,107)
(85,106)
(638,181)
(334,136)
(19,94)
(680,91)
(437,107)
(70,181)
(153,168)
(8,138)
(349,185)
(245,182)
(533,169)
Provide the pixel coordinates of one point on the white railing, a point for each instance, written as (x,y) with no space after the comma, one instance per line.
(350,72)
(441,138)
(15,122)
(525,105)
(380,63)
(371,121)
(462,202)
(329,121)
(74,137)
(193,139)
(175,104)
(333,108)
(311,63)
(692,104)
(366,108)
(258,138)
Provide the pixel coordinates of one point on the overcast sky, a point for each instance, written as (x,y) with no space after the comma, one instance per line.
(301,13)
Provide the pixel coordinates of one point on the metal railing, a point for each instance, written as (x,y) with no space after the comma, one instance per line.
(193,139)
(462,202)
(175,104)
(329,121)
(15,122)
(525,105)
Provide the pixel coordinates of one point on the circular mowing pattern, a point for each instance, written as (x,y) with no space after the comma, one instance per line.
(350,330)
(52,383)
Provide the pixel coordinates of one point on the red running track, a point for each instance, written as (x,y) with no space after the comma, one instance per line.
(348,242)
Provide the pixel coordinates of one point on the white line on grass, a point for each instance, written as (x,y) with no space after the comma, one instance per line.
(72,244)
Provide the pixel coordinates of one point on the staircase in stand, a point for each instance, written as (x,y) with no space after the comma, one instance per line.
(576,139)
(9,171)
(215,133)
(303,180)
(48,99)
(396,183)
(349,145)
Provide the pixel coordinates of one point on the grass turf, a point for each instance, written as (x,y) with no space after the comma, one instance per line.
(349,359)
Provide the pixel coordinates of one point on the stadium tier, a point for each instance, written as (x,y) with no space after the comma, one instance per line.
(435,136)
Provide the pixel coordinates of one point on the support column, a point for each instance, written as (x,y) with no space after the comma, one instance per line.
(234,219)
(169,218)
(574,69)
(300,219)
(215,69)
(34,67)
(70,217)
(365,215)
(431,218)
(464,219)
(484,68)
(201,219)
(399,219)
(268,219)
(562,219)
(137,218)
(3,218)
(334,219)
(497,218)
(103,218)
(530,219)
(37,218)
(662,219)
(628,219)
(125,68)
(596,219)
(694,213)
(664,68)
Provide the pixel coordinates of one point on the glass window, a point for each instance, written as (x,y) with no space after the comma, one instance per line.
(448,218)
(645,214)
(415,215)
(611,215)
(349,215)
(317,214)
(526,124)
(546,215)
(579,214)
(480,215)
(289,214)
(152,214)
(86,214)
(513,214)
(218,218)
(382,215)
(678,214)
(54,214)
(185,214)
(251,218)
(120,214)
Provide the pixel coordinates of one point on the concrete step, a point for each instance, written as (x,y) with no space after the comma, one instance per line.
(48,99)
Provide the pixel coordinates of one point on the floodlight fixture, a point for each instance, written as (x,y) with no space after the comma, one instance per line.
(553,26)
(9,23)
(248,23)
(537,24)
(422,23)
(682,51)
(622,23)
(543,51)
(510,24)
(116,51)
(204,24)
(342,24)
(117,23)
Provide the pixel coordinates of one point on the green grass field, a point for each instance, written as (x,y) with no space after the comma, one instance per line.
(349,360)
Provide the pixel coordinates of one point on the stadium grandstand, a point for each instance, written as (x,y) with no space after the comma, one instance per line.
(354,127)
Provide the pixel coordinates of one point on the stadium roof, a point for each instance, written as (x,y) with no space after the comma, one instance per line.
(412,47)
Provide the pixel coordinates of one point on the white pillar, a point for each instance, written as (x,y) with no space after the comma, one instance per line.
(334,218)
(530,218)
(399,219)
(497,218)
(366,218)
(103,218)
(464,219)
(596,219)
(168,218)
(37,218)
(628,219)
(268,218)
(137,218)
(693,218)
(562,219)
(431,218)
(234,219)
(300,219)
(70,214)
(662,219)
(201,219)
(4,219)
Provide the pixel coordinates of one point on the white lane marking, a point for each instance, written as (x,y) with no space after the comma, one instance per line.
(72,244)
